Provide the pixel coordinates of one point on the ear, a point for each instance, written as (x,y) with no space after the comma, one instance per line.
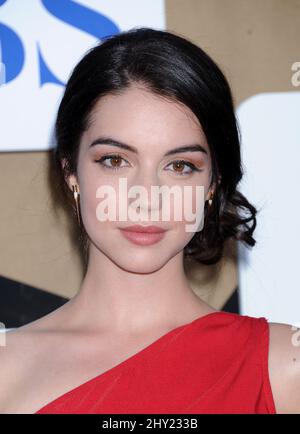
(71,179)
(212,190)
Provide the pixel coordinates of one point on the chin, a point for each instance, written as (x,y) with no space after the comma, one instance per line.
(141,263)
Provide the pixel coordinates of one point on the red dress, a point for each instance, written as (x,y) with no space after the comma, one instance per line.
(217,363)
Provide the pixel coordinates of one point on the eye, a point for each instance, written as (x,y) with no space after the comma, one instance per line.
(179,164)
(115,159)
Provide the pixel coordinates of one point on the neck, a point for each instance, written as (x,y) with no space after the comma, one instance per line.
(112,298)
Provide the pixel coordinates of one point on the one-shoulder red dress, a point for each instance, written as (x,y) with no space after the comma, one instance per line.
(217,363)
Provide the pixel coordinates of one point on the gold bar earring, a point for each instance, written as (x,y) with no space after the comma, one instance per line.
(76,195)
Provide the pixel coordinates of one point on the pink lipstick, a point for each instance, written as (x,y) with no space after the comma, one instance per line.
(143,235)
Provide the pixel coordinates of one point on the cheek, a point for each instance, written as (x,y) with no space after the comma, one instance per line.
(89,183)
(93,182)
(88,204)
(191,208)
(187,204)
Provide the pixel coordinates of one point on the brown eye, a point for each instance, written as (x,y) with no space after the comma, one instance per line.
(114,159)
(179,166)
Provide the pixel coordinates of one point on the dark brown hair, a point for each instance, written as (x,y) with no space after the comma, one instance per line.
(170,66)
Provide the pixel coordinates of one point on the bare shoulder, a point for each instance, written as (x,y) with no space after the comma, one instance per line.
(284,367)
(22,351)
(16,352)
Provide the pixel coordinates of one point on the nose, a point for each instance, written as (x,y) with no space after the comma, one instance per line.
(145,190)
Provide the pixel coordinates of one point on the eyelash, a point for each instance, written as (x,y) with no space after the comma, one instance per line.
(107,157)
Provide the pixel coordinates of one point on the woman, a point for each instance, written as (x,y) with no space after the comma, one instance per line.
(151,108)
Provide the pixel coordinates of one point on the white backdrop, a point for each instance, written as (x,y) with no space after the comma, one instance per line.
(41,41)
(269,272)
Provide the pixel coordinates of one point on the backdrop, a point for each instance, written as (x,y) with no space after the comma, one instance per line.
(255,43)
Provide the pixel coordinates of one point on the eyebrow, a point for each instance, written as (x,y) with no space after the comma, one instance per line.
(109,141)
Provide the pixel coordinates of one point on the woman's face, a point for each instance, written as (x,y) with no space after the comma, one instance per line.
(151,126)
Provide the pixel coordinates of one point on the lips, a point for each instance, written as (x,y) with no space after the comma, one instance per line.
(143,235)
(144,229)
